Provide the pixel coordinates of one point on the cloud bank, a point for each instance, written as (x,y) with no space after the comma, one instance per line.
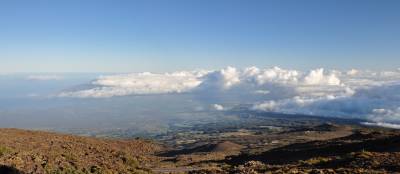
(189,81)
(374,95)
(140,83)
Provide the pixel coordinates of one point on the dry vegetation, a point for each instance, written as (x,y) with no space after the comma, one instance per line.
(43,152)
(361,150)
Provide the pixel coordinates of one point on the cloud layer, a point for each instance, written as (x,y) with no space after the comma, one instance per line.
(355,93)
(140,83)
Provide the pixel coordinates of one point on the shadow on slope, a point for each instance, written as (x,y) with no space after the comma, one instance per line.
(9,170)
(225,146)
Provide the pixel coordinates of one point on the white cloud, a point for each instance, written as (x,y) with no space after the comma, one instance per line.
(316,82)
(266,106)
(44,77)
(379,111)
(140,83)
(317,77)
(352,72)
(218,107)
(222,79)
(276,75)
(230,76)
(296,104)
(385,114)
(355,93)
(377,104)
(382,124)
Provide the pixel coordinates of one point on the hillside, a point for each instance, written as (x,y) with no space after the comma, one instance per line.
(324,148)
(44,152)
(361,152)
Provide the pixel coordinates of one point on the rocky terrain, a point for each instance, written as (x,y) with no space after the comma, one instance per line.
(318,148)
(326,148)
(361,152)
(43,152)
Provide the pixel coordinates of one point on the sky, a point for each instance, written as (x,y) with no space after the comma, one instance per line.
(161,36)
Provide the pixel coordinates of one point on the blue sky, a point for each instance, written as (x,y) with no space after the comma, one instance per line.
(133,35)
